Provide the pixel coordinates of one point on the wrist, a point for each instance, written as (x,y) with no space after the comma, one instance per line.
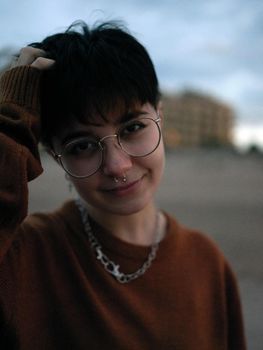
(21,85)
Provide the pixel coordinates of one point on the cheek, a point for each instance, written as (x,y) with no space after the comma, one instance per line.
(160,161)
(155,162)
(85,185)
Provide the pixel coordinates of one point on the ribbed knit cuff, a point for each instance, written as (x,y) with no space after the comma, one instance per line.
(20,86)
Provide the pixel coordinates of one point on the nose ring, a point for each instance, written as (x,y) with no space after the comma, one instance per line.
(123,179)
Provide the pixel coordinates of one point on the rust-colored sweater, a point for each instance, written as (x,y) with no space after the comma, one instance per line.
(55,294)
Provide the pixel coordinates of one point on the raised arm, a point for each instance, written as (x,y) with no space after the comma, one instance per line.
(19,135)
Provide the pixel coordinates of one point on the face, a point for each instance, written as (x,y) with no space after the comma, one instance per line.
(143,174)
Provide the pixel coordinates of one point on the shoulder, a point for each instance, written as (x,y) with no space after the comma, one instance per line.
(45,234)
(189,236)
(55,225)
(194,246)
(196,256)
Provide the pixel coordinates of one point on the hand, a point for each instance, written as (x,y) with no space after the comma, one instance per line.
(33,57)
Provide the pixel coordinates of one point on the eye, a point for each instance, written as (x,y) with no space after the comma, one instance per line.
(81,147)
(133,127)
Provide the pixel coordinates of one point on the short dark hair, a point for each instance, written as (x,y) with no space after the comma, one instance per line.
(96,68)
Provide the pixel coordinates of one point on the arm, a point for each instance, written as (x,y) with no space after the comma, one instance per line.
(19,134)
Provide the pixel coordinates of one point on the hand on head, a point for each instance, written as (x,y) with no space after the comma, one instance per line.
(34,57)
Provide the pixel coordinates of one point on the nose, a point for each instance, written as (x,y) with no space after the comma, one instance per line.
(116,162)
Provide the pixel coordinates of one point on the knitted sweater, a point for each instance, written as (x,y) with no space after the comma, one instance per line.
(55,294)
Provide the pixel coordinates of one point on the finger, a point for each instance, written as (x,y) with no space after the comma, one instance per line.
(28,55)
(43,63)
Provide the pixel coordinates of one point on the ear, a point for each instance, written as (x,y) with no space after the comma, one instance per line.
(160,111)
(52,154)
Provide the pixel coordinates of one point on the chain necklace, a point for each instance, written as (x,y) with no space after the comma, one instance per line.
(110,265)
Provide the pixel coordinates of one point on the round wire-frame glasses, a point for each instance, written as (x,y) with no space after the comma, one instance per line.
(152,128)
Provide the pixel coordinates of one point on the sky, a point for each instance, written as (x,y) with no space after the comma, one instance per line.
(213,46)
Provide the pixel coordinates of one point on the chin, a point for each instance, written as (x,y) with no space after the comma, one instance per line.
(127,210)
(122,208)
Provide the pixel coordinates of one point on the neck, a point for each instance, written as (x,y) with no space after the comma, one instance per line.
(137,228)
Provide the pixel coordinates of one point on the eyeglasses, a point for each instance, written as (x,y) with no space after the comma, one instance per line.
(82,157)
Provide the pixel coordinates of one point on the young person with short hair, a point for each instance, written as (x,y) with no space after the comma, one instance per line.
(110,269)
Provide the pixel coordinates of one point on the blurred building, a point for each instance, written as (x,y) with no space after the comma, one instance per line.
(193,120)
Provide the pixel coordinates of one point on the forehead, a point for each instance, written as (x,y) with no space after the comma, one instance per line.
(99,125)
(119,115)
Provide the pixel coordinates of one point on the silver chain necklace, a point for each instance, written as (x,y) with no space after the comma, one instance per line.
(108,264)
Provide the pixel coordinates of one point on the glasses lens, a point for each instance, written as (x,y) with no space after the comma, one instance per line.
(82,157)
(140,137)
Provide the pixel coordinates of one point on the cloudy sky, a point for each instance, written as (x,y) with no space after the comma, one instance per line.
(215,46)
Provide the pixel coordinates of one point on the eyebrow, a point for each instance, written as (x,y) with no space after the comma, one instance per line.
(74,135)
(130,115)
(126,117)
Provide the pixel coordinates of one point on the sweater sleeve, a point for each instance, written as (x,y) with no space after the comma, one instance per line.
(19,157)
(236,335)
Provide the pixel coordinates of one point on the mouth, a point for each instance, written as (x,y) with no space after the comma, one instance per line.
(125,189)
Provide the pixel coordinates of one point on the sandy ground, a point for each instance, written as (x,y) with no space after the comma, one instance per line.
(220,193)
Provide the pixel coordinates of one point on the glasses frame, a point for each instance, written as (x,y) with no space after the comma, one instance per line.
(58,157)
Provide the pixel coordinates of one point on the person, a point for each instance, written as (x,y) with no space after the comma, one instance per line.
(108,270)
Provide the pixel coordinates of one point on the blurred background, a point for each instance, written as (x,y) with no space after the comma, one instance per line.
(210,49)
(208,57)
